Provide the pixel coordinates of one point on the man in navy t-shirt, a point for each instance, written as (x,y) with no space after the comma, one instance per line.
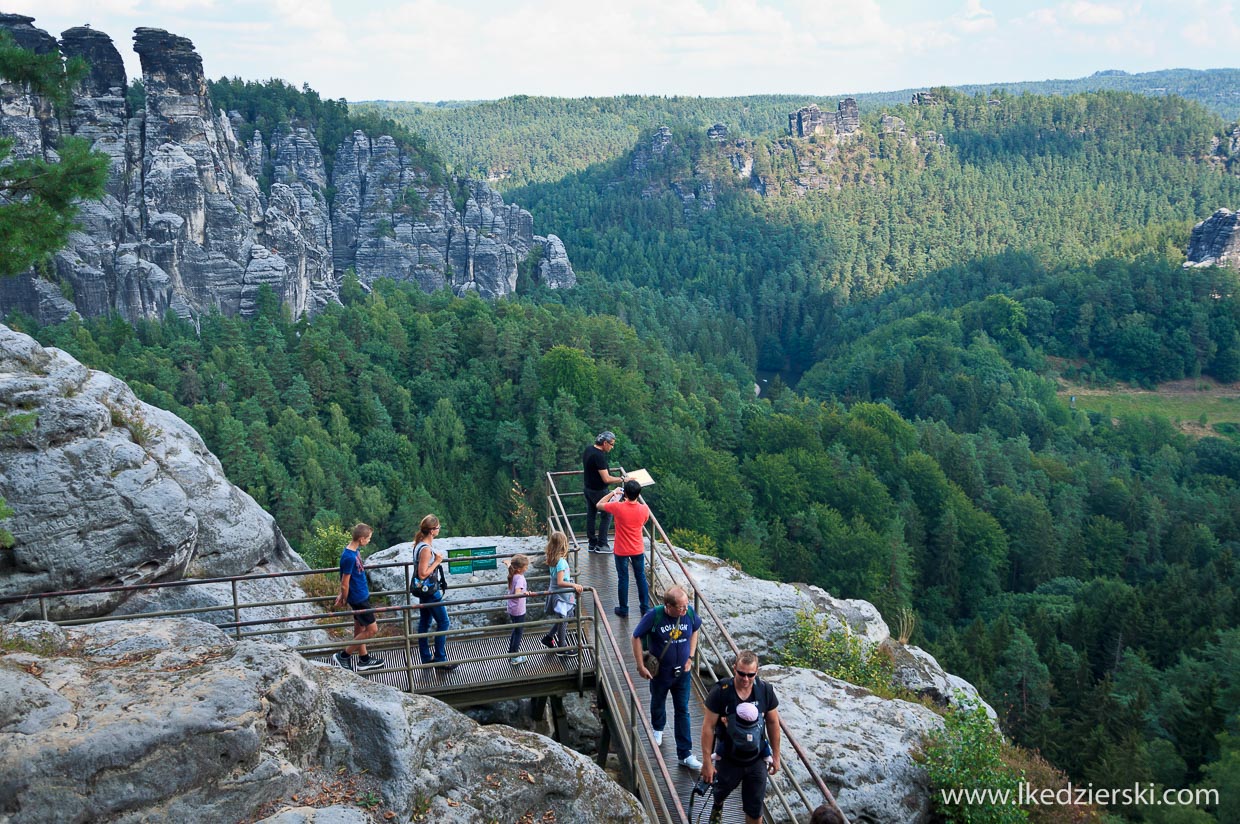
(672,631)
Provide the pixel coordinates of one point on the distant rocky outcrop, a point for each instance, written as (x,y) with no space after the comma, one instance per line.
(1214,241)
(810,120)
(171,720)
(184,225)
(107,490)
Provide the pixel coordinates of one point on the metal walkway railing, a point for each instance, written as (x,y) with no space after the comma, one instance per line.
(483,673)
(716,652)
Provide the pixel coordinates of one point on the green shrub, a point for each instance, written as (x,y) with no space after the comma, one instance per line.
(967,754)
(842,655)
(322,545)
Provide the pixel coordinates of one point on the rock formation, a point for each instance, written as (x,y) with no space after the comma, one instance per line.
(172,721)
(107,490)
(1214,241)
(861,745)
(184,226)
(761,615)
(810,120)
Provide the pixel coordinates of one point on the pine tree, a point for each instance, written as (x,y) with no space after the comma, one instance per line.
(38,198)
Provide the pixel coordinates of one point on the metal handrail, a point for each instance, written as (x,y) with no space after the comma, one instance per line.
(701,599)
(657,536)
(638,756)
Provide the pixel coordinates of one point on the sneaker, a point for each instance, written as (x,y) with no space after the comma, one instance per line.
(691,761)
(658,738)
(343,660)
(567,652)
(623,613)
(520,659)
(369,662)
(602,549)
(548,642)
(446,668)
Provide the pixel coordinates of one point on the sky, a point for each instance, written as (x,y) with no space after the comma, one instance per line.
(432,50)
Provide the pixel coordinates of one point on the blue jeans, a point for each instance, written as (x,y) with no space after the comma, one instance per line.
(514,642)
(680,702)
(622,581)
(440,616)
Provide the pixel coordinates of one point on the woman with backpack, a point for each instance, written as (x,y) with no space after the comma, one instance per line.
(427,562)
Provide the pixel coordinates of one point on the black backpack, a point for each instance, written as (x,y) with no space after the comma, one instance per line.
(745,737)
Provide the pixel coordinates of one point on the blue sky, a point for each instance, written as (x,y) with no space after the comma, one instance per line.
(450,50)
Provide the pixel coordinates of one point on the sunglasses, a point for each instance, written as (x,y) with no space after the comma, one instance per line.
(743,674)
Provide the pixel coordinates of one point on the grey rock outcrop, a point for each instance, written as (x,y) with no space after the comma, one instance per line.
(810,120)
(861,745)
(184,226)
(1214,241)
(761,615)
(171,720)
(388,220)
(108,490)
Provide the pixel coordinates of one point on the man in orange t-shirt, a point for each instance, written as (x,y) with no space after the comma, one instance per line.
(630,516)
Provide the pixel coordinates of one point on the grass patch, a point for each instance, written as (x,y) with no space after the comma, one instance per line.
(1197,407)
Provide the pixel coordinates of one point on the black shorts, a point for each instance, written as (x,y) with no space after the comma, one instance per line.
(751,777)
(362,612)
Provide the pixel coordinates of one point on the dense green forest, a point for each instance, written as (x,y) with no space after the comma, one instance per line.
(1080,570)
(1052,178)
(523,139)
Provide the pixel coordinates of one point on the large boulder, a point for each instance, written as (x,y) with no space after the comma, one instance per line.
(483,583)
(107,490)
(171,720)
(761,615)
(862,745)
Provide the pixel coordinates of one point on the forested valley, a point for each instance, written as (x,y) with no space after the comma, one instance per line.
(918,303)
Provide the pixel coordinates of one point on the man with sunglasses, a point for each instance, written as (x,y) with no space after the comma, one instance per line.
(730,771)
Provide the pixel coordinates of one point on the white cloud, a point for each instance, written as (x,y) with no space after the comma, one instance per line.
(975,18)
(1085,13)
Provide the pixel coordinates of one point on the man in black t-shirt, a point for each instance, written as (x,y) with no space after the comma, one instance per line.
(749,772)
(597,476)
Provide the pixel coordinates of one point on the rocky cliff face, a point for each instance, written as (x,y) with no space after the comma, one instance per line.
(1214,241)
(184,226)
(107,490)
(810,120)
(172,721)
(388,221)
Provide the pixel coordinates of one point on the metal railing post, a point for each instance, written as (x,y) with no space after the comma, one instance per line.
(236,609)
(406,612)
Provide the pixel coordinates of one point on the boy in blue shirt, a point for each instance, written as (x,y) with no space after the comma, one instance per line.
(356,592)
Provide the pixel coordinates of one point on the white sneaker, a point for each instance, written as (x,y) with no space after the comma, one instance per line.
(658,738)
(519,660)
(691,761)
